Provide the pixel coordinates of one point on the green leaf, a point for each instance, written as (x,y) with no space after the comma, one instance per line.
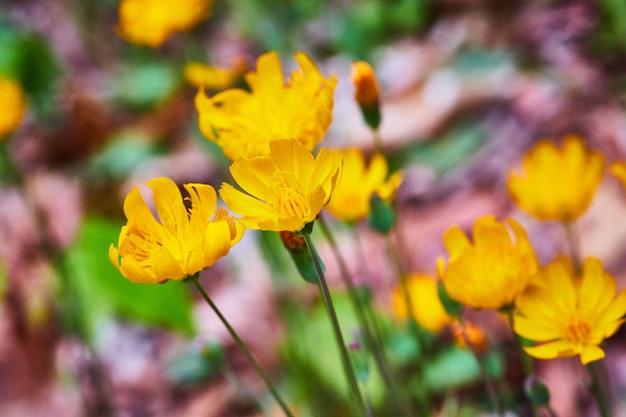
(145,85)
(101,292)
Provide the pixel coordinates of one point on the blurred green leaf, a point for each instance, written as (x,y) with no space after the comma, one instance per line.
(456,367)
(101,292)
(122,155)
(195,364)
(145,85)
(443,153)
(313,357)
(28,58)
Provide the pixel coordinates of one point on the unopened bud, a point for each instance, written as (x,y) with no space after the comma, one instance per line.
(367,92)
(296,245)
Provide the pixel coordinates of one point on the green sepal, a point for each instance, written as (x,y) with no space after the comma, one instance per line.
(359,358)
(452,307)
(382,217)
(371,115)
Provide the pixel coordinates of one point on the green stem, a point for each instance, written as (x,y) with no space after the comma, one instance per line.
(527,364)
(487,382)
(378,140)
(371,332)
(598,392)
(330,308)
(244,348)
(573,243)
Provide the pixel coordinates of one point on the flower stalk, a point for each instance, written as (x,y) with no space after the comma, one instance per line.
(597,389)
(345,357)
(370,330)
(243,346)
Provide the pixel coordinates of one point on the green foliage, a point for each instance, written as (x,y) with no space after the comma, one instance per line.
(143,85)
(312,355)
(122,155)
(195,364)
(94,290)
(27,58)
(454,367)
(443,153)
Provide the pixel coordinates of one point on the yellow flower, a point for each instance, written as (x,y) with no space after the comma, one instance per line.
(427,309)
(351,198)
(558,184)
(244,123)
(12,106)
(366,87)
(618,169)
(152,22)
(183,240)
(570,315)
(215,78)
(491,271)
(286,189)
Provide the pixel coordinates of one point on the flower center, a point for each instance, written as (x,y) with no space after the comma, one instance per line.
(289,199)
(577,329)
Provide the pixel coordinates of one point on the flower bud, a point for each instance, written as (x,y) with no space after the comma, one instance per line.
(367,93)
(299,252)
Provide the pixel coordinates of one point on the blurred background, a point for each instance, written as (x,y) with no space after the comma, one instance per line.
(467,87)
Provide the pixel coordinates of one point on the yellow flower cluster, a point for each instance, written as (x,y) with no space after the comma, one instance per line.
(493,269)
(351,198)
(12,106)
(243,123)
(152,22)
(557,184)
(181,241)
(570,315)
(286,189)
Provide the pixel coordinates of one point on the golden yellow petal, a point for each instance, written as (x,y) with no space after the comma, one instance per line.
(590,354)
(243,204)
(169,205)
(254,176)
(551,350)
(455,241)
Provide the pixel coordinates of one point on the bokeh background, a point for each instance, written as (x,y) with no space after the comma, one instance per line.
(467,86)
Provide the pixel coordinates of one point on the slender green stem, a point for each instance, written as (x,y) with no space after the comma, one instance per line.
(573,242)
(397,266)
(370,330)
(244,348)
(378,140)
(527,364)
(343,350)
(487,382)
(598,392)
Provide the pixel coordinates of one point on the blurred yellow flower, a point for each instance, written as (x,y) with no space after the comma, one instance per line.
(286,189)
(570,315)
(365,84)
(351,198)
(188,236)
(618,169)
(152,22)
(207,76)
(491,271)
(557,184)
(244,123)
(427,309)
(12,106)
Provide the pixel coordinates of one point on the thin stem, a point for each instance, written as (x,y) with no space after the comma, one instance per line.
(245,348)
(330,308)
(573,242)
(370,330)
(397,266)
(378,140)
(598,392)
(527,364)
(487,382)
